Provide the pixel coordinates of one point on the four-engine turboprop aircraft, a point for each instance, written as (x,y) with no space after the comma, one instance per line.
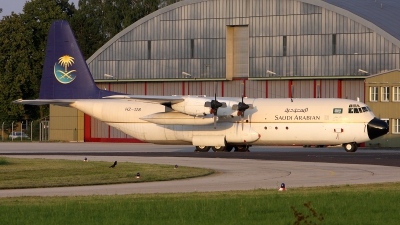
(205,122)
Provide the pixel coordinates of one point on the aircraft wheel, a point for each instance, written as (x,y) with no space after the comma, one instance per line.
(350,147)
(228,148)
(241,148)
(218,148)
(202,148)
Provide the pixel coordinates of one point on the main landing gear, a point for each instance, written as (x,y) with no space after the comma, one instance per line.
(228,148)
(317,146)
(350,147)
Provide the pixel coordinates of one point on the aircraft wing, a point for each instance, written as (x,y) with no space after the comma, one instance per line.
(163,100)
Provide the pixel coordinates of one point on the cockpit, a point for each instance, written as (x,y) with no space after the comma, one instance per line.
(355,108)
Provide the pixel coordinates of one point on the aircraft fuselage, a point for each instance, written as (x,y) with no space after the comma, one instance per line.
(269,122)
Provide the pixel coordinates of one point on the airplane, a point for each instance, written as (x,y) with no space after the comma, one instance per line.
(222,124)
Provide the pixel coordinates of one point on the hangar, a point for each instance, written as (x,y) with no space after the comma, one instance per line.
(259,48)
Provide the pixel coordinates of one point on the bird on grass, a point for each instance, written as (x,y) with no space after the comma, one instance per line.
(113,165)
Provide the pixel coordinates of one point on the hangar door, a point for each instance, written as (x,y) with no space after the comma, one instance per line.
(237,51)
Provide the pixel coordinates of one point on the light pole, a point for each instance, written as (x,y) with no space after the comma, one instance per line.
(12,130)
(22,122)
(2,132)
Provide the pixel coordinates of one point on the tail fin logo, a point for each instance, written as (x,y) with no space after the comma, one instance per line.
(61,69)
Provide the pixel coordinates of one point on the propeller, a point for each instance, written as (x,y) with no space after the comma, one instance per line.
(241,107)
(214,105)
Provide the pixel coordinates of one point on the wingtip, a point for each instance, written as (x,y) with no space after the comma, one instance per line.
(18,100)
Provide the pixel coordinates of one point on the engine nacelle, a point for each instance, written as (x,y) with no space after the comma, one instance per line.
(193,106)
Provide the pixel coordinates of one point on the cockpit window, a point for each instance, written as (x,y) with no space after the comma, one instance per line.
(355,108)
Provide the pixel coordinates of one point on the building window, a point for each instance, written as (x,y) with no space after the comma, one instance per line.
(396,126)
(385,94)
(191,48)
(373,91)
(396,94)
(333,44)
(284,45)
(148,49)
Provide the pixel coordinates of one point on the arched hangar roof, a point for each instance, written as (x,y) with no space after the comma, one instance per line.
(381,16)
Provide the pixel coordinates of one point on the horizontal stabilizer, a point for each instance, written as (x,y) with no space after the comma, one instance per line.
(60,102)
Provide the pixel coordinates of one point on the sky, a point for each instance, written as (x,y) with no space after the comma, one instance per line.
(9,6)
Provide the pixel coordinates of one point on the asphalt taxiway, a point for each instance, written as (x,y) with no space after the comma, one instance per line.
(264,167)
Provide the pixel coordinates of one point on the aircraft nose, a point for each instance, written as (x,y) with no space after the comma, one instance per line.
(377,128)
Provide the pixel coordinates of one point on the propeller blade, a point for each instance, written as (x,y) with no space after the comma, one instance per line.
(242,120)
(215,111)
(215,89)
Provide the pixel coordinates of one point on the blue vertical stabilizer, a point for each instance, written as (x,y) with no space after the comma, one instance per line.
(65,72)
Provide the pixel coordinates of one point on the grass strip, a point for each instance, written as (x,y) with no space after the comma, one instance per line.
(35,173)
(350,204)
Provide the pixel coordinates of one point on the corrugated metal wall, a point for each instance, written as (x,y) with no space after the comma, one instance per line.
(353,89)
(303,89)
(309,32)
